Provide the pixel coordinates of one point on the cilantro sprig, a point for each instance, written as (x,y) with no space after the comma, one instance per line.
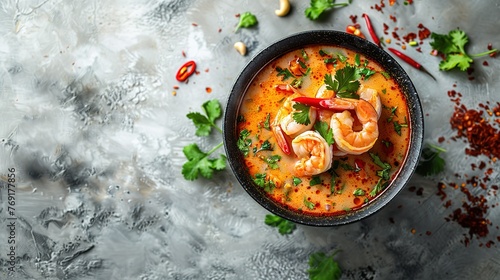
(384,175)
(452,46)
(199,162)
(247,19)
(284,226)
(301,114)
(317,7)
(345,84)
(431,163)
(325,131)
(205,122)
(323,267)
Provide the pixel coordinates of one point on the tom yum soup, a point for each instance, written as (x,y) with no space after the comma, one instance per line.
(323,130)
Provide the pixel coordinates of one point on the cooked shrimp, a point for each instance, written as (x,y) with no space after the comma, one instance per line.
(372,97)
(313,152)
(285,124)
(324,115)
(346,138)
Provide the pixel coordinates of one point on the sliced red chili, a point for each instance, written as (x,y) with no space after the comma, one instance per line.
(186,70)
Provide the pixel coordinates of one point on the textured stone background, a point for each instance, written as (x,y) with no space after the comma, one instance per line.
(89,122)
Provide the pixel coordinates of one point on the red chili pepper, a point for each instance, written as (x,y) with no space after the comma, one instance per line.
(410,61)
(375,38)
(186,70)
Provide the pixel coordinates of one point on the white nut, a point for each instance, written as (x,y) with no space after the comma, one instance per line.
(284,8)
(240,47)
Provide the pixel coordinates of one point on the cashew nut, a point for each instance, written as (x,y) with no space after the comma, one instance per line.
(284,8)
(240,47)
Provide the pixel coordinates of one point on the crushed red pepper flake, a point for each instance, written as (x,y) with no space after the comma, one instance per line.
(479,132)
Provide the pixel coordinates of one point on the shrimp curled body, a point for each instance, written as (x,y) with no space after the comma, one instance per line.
(313,152)
(348,139)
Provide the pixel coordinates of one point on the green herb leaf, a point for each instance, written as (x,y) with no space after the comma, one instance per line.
(358,192)
(378,187)
(452,45)
(205,123)
(285,73)
(296,181)
(346,82)
(199,162)
(284,226)
(317,7)
(261,181)
(325,131)
(267,122)
(323,267)
(315,180)
(272,161)
(301,114)
(244,142)
(266,146)
(308,204)
(430,162)
(247,19)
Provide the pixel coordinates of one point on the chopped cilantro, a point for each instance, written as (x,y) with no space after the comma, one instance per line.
(430,162)
(308,204)
(267,124)
(244,142)
(296,181)
(261,181)
(265,146)
(284,226)
(285,73)
(325,131)
(317,7)
(301,115)
(272,161)
(358,192)
(247,19)
(315,180)
(323,267)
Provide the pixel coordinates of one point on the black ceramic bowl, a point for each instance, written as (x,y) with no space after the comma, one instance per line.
(298,41)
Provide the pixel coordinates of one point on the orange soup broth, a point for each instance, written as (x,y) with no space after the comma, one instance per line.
(263,99)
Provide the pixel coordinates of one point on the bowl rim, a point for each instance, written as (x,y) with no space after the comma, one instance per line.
(298,41)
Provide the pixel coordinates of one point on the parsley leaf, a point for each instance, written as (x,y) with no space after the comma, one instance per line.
(247,19)
(301,115)
(358,192)
(452,45)
(205,123)
(317,7)
(346,82)
(325,131)
(323,267)
(284,226)
(430,162)
(267,122)
(199,162)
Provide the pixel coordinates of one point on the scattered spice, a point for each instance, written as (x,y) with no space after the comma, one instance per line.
(208,89)
(480,133)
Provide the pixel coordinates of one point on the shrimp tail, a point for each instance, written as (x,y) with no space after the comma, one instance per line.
(335,104)
(281,139)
